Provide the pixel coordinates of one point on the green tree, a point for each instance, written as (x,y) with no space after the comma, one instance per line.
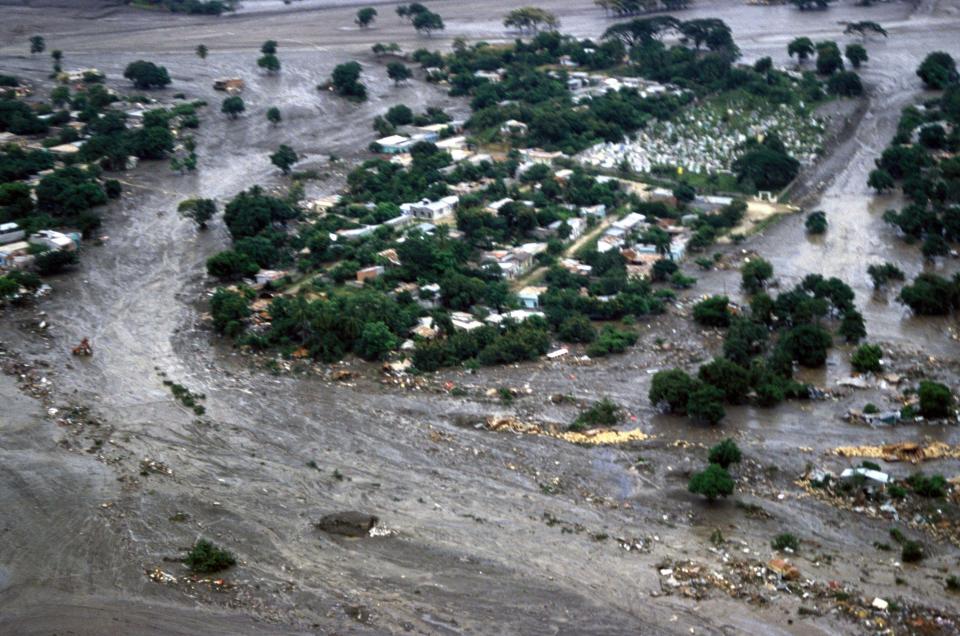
(807,344)
(365,17)
(145,75)
(856,54)
(200,210)
(399,115)
(725,453)
(376,341)
(269,47)
(866,359)
(231,265)
(672,388)
(852,328)
(233,106)
(881,180)
(577,328)
(938,70)
(711,483)
(284,158)
(705,404)
(228,309)
(37,44)
(755,274)
(345,80)
(845,84)
(816,222)
(829,60)
(801,47)
(398,72)
(427,22)
(270,63)
(931,295)
(273,115)
(936,400)
(732,379)
(202,51)
(55,261)
(881,274)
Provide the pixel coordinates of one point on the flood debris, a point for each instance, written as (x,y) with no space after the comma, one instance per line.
(912,452)
(83,349)
(348,524)
(597,436)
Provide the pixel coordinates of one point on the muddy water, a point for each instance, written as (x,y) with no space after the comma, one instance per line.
(472,553)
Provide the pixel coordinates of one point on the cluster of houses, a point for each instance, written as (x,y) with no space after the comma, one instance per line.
(18,251)
(708,139)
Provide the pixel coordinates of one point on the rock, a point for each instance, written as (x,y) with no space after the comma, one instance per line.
(348,524)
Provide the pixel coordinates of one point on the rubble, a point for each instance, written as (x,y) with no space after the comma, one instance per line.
(901,452)
(592,437)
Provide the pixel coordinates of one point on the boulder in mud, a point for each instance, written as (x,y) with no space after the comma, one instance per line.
(347,524)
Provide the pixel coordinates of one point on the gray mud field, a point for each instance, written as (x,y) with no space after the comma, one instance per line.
(105,478)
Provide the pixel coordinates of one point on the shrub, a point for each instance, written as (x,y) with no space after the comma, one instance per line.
(712,312)
(785,541)
(55,261)
(932,487)
(816,223)
(755,274)
(935,399)
(912,552)
(866,358)
(206,558)
(711,483)
(577,328)
(930,295)
(725,453)
(228,310)
(611,341)
(807,344)
(603,413)
(732,379)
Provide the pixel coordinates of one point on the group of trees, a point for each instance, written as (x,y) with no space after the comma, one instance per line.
(145,75)
(766,164)
(422,19)
(621,8)
(194,7)
(715,481)
(269,61)
(345,80)
(915,160)
(761,347)
(531,20)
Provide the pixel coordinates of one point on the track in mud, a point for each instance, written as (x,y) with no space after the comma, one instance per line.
(472,553)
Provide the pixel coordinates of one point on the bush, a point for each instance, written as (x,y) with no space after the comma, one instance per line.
(938,70)
(706,404)
(785,541)
(712,312)
(611,341)
(206,558)
(912,552)
(866,359)
(603,413)
(55,261)
(932,487)
(936,400)
(577,328)
(672,388)
(725,453)
(711,483)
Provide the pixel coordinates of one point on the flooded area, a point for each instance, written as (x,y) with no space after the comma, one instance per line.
(493,532)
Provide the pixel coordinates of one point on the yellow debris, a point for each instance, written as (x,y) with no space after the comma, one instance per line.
(596,436)
(904,451)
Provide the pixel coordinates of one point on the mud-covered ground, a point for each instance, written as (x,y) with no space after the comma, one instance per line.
(492,532)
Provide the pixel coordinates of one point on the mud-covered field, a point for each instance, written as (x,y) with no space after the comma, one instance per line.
(104,477)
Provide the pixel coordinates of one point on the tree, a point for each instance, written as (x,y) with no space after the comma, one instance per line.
(684,193)
(202,51)
(228,310)
(200,210)
(801,47)
(269,47)
(37,44)
(205,558)
(881,180)
(375,341)
(145,75)
(713,311)
(427,22)
(398,72)
(705,404)
(270,63)
(767,165)
(856,54)
(711,483)
(365,17)
(806,5)
(881,274)
(866,359)
(273,115)
(816,222)
(284,158)
(829,60)
(672,388)
(845,84)
(233,106)
(57,56)
(852,328)
(807,344)
(399,115)
(755,274)
(345,80)
(231,265)
(938,70)
(936,400)
(864,27)
(732,379)
(577,328)
(725,453)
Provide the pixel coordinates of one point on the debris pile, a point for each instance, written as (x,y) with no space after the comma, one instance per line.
(901,452)
(597,437)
